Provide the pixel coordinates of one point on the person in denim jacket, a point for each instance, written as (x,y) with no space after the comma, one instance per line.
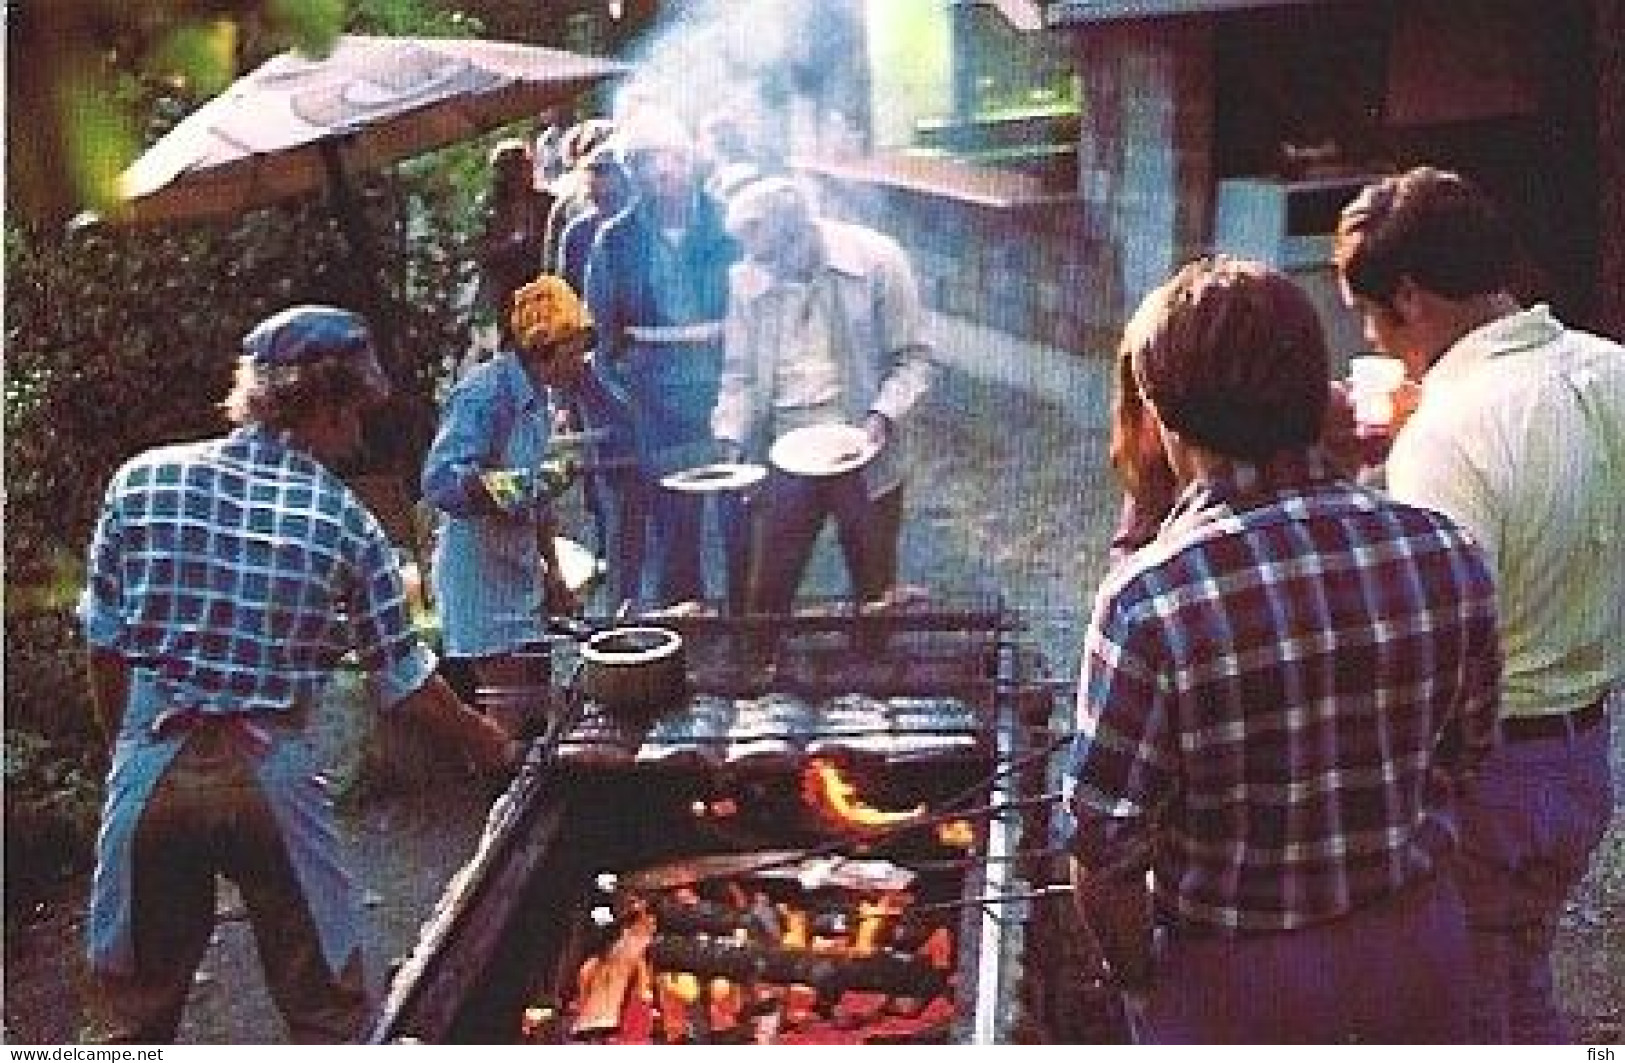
(657,285)
(495,571)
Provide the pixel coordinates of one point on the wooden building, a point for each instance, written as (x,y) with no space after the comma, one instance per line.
(1245,125)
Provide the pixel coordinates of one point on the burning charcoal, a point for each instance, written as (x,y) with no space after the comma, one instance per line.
(677,996)
(828,973)
(767,917)
(956,834)
(876,922)
(836,923)
(906,1006)
(725,1001)
(938,949)
(764,1014)
(705,917)
(795,928)
(737,895)
(857,1009)
(800,1005)
(912,936)
(540,1024)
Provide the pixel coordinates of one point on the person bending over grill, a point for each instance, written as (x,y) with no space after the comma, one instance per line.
(496,571)
(227,579)
(824,327)
(1279,697)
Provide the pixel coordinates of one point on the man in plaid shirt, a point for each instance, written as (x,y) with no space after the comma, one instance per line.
(227,579)
(1279,696)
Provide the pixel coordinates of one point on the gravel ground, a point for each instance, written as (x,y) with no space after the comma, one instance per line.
(1014,496)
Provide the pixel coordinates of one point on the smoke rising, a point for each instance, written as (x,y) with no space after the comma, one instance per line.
(791,74)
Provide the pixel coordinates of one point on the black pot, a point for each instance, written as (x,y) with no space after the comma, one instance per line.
(635,672)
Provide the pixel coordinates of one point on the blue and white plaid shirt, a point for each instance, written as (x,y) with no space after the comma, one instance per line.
(238,571)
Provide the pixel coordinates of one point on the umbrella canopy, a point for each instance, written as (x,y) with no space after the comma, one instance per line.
(272,134)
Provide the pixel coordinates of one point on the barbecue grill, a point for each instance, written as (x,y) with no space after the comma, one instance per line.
(852,847)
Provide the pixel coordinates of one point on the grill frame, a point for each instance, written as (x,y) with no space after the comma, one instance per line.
(509,920)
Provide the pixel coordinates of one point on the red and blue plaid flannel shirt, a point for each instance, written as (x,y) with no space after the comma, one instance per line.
(1274,693)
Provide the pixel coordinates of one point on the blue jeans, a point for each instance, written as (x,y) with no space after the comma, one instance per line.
(1394,972)
(1534,816)
(673,389)
(208,817)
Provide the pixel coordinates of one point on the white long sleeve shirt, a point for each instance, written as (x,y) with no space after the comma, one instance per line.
(1520,436)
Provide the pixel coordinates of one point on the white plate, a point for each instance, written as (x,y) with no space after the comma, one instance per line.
(720,476)
(823,450)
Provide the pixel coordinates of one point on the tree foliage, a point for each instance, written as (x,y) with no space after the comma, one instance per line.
(89,81)
(81,73)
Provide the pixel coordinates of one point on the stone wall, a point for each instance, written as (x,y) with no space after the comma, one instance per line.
(1028,270)
(1068,269)
(1145,168)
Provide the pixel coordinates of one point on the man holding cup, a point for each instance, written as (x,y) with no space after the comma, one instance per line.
(1519,435)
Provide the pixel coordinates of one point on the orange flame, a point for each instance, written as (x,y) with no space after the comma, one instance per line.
(727,1001)
(826,789)
(938,949)
(675,993)
(795,927)
(957,834)
(873,917)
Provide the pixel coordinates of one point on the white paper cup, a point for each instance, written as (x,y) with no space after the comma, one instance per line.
(1373,379)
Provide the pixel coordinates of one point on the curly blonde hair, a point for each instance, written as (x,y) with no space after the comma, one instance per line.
(548,311)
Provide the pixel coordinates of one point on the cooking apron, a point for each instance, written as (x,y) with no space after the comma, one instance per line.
(295,789)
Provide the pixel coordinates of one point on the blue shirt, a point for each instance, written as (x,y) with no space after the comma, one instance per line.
(487,570)
(658,309)
(233,575)
(239,571)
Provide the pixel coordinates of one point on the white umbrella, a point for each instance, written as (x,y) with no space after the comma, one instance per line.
(294,125)
(297,124)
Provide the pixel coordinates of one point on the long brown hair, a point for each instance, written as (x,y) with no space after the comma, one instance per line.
(1136,446)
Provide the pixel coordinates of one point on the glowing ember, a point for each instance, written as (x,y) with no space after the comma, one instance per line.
(729,965)
(957,834)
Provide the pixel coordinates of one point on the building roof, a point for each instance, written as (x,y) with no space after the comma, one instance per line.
(1084,12)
